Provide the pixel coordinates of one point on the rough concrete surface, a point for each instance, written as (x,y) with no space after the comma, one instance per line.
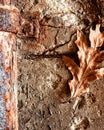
(43,93)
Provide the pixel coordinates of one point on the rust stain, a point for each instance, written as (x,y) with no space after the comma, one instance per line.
(8,79)
(9,25)
(5,1)
(32,26)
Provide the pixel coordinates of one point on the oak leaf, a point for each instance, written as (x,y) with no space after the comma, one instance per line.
(90,56)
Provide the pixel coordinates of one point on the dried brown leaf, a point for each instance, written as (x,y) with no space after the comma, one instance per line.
(89,57)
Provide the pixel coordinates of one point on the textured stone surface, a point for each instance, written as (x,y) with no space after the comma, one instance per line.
(57,23)
(38,107)
(42,81)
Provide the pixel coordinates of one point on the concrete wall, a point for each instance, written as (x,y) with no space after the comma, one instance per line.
(42,76)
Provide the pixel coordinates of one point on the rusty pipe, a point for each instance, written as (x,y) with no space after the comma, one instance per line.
(9,26)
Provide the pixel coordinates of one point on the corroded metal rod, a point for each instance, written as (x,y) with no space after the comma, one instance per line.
(9,25)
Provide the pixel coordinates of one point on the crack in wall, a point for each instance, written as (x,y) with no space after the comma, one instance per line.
(45,55)
(37,63)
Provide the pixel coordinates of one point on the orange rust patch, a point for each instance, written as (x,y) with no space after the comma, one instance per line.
(8,69)
(7,96)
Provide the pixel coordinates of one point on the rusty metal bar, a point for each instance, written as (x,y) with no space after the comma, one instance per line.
(9,25)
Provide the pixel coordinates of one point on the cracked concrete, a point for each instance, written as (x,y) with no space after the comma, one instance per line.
(42,76)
